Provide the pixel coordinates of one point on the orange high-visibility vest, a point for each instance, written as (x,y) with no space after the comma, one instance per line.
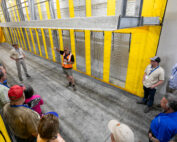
(68,64)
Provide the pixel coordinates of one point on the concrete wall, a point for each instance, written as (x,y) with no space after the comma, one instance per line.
(167,49)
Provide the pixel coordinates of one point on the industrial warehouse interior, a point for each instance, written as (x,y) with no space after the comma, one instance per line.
(88,71)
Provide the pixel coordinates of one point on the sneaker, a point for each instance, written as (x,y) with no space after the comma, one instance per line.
(147,109)
(141,102)
(68,85)
(28,76)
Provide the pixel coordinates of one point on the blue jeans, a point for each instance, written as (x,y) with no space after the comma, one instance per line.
(149,96)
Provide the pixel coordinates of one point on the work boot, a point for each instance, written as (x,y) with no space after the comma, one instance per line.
(21,79)
(68,85)
(74,88)
(147,109)
(28,76)
(141,102)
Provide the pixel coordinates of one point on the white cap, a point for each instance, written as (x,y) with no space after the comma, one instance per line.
(120,131)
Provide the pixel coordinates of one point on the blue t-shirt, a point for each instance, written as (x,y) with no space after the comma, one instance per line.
(173,78)
(164,126)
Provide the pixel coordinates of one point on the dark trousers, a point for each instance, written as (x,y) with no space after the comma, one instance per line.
(149,96)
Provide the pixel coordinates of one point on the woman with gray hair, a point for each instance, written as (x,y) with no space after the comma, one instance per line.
(164,126)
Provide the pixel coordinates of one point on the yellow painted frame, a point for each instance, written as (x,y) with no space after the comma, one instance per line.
(50,32)
(42,31)
(59,31)
(72,37)
(87,40)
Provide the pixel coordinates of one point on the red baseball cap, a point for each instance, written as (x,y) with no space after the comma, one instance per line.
(15,92)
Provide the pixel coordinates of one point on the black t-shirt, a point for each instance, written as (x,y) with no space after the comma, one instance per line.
(72,56)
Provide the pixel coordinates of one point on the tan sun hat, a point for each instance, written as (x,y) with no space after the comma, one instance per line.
(120,131)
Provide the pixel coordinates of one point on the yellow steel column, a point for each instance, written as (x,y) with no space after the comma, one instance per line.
(50,31)
(32,38)
(71,11)
(38,42)
(8,36)
(17,29)
(59,31)
(87,40)
(20,28)
(3,19)
(27,15)
(107,42)
(17,37)
(13,35)
(42,31)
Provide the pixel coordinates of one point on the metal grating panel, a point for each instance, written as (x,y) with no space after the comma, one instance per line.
(99,7)
(48,43)
(66,39)
(80,50)
(119,58)
(79,8)
(97,50)
(41,42)
(131,7)
(35,41)
(64,8)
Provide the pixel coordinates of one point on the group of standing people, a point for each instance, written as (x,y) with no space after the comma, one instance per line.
(163,127)
(22,112)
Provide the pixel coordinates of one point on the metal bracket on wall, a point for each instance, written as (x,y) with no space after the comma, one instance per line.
(104,23)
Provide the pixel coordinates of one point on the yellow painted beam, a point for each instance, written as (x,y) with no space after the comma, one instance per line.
(59,31)
(42,31)
(111,4)
(26,9)
(32,38)
(28,40)
(58,9)
(71,8)
(87,40)
(44,41)
(87,52)
(107,55)
(50,32)
(16,37)
(72,37)
(13,34)
(28,18)
(38,42)
(24,42)
(20,38)
(111,7)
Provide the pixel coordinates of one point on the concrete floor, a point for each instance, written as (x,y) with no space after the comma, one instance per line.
(83,114)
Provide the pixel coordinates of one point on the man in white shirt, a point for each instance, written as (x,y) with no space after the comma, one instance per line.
(3,90)
(18,55)
(153,76)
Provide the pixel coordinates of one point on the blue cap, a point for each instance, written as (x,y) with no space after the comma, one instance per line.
(52,112)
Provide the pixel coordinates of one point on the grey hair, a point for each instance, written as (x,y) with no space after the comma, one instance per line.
(172,101)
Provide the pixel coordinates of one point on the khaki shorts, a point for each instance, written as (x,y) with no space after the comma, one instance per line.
(68,72)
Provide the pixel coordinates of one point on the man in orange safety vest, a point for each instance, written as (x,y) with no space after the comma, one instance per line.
(67,64)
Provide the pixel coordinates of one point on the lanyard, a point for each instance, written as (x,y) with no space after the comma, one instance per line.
(175,72)
(19,106)
(4,85)
(153,70)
